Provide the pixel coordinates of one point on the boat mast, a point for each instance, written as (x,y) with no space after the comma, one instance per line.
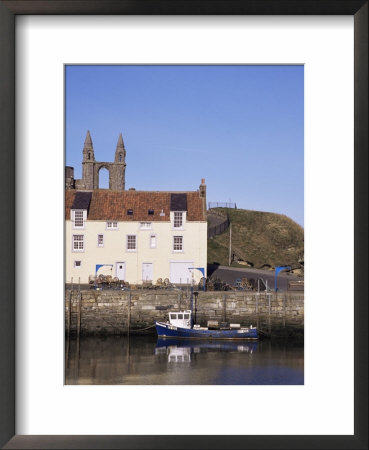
(191,299)
(195,308)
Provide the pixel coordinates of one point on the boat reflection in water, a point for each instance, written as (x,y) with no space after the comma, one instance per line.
(145,360)
(180,351)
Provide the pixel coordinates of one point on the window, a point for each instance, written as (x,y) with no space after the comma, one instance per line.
(186,316)
(145,225)
(111,225)
(178,219)
(131,242)
(78,219)
(100,240)
(150,212)
(153,241)
(178,243)
(180,316)
(78,243)
(77,263)
(173,316)
(129,212)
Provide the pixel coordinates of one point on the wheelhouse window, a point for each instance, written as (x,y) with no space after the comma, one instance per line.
(178,243)
(178,219)
(145,225)
(78,242)
(78,218)
(111,225)
(100,240)
(131,242)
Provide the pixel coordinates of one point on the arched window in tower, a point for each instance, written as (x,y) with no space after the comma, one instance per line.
(89,155)
(120,157)
(103,178)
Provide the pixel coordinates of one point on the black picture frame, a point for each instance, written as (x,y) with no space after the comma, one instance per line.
(8,11)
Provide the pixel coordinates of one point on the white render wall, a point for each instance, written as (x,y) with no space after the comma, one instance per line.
(114,250)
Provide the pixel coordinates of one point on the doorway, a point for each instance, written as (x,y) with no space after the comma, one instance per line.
(147,271)
(120,270)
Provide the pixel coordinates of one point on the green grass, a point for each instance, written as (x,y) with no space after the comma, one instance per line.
(258,237)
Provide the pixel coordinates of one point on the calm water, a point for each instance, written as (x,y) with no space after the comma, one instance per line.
(147,360)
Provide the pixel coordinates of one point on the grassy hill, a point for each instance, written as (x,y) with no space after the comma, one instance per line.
(257,237)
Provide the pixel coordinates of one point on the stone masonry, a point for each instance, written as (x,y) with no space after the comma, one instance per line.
(91,168)
(112,312)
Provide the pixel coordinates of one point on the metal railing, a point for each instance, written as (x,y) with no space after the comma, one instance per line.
(221,205)
(218,229)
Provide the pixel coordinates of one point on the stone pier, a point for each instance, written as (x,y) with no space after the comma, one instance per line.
(119,312)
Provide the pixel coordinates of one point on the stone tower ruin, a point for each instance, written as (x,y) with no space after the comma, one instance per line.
(91,168)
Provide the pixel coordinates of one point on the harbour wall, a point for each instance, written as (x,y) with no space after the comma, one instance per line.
(109,312)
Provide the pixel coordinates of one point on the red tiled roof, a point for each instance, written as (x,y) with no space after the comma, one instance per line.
(113,205)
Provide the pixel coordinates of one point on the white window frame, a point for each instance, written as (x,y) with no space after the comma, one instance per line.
(77,266)
(98,240)
(111,228)
(174,244)
(78,250)
(145,226)
(73,218)
(156,240)
(132,250)
(173,221)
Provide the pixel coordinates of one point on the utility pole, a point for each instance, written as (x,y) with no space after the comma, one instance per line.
(230,244)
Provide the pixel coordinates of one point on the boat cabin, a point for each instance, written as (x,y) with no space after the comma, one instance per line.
(180,319)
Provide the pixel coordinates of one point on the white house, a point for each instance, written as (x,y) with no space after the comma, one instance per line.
(136,235)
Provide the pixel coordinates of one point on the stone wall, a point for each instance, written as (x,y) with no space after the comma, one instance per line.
(91,312)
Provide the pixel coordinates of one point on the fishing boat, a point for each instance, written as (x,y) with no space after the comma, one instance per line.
(180,326)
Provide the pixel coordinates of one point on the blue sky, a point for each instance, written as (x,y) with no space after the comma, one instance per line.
(239,127)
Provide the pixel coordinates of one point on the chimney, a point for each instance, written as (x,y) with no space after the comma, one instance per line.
(203,195)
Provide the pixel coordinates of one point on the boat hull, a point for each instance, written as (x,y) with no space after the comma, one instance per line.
(165,330)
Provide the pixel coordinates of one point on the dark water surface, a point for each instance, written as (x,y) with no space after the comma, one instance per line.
(147,360)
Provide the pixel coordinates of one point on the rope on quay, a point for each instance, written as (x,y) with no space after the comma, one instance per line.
(125,331)
(142,329)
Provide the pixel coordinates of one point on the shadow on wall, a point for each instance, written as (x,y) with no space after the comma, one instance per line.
(212,268)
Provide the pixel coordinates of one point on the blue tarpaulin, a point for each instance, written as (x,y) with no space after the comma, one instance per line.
(101,265)
(202,270)
(277,270)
